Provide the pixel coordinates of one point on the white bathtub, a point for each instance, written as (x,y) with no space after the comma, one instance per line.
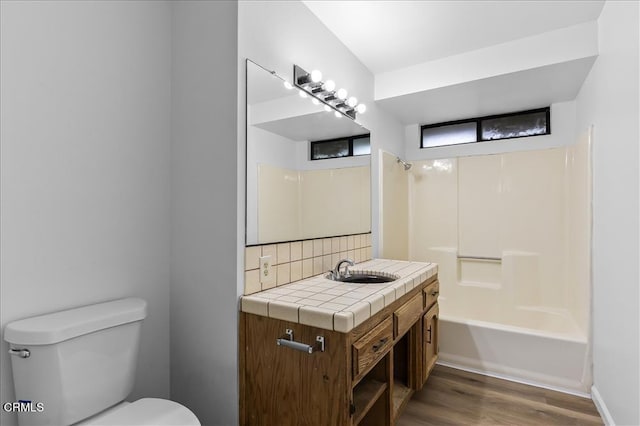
(524,344)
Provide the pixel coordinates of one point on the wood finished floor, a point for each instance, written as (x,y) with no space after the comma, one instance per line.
(456,397)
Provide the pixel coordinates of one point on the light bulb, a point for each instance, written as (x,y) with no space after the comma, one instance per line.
(327,108)
(337,114)
(352,101)
(316,76)
(360,109)
(302,94)
(288,85)
(329,85)
(342,94)
(315,101)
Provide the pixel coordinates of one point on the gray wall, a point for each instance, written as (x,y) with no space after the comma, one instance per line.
(609,101)
(204,209)
(85,140)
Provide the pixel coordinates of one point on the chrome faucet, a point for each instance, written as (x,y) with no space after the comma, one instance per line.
(336,271)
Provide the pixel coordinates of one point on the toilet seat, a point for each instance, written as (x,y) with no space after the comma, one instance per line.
(146,412)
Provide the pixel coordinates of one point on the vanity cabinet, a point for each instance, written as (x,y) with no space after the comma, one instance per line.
(364,376)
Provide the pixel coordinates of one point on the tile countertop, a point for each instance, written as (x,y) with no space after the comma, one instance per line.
(333,305)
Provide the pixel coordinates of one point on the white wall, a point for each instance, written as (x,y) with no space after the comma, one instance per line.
(388,136)
(394,214)
(85,167)
(609,101)
(305,41)
(204,205)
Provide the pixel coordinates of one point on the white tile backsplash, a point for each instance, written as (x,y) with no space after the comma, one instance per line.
(307,249)
(307,268)
(298,260)
(252,258)
(296,251)
(283,274)
(271,250)
(326,246)
(296,271)
(252,281)
(317,248)
(317,265)
(284,253)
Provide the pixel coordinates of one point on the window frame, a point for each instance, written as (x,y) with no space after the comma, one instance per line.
(349,139)
(478,121)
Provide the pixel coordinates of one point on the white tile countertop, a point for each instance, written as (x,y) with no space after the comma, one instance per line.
(333,305)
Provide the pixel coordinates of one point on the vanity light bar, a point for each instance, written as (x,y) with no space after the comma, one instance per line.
(324,91)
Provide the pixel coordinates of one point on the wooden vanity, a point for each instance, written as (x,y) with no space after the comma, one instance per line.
(364,376)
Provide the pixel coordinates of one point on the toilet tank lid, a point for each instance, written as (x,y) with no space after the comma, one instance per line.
(64,325)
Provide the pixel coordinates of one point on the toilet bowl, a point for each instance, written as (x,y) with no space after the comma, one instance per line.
(143,412)
(80,364)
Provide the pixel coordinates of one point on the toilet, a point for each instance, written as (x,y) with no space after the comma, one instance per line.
(78,366)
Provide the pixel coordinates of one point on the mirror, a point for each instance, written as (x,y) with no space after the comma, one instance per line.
(289,196)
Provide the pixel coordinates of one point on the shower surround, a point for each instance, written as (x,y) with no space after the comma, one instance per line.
(511,235)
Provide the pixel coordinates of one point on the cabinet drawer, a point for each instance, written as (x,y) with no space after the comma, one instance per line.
(372,346)
(406,315)
(431,293)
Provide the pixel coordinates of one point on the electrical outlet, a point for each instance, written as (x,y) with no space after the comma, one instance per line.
(266,270)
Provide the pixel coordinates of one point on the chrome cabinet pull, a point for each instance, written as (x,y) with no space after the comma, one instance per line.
(429,338)
(287,340)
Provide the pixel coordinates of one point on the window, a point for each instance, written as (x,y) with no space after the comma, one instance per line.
(494,127)
(341,147)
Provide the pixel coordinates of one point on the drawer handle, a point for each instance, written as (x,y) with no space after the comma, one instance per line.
(435,293)
(380,344)
(429,331)
(287,340)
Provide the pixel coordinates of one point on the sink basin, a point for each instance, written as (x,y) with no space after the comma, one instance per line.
(365,277)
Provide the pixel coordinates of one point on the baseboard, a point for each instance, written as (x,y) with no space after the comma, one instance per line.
(514,379)
(601,407)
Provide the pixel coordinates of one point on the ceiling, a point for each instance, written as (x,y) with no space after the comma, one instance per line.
(389,35)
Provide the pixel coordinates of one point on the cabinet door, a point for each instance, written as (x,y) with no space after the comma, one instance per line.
(288,387)
(430,339)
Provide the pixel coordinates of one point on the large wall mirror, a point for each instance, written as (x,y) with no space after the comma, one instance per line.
(289,196)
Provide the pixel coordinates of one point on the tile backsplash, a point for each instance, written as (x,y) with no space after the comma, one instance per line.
(297,260)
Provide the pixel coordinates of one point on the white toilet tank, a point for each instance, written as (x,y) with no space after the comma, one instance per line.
(80,361)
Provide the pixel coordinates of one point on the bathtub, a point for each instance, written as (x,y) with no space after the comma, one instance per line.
(535,346)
